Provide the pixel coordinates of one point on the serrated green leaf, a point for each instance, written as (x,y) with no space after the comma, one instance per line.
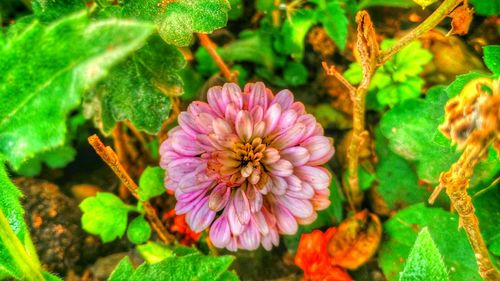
(190,267)
(14,212)
(492,58)
(178,20)
(294,32)
(123,270)
(151,183)
(335,23)
(154,252)
(139,230)
(50,10)
(65,59)
(105,215)
(400,232)
(138,89)
(486,8)
(424,262)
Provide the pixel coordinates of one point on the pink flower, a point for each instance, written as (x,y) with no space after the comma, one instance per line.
(247,165)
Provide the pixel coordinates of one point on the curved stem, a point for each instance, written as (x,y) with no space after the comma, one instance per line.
(429,23)
(109,156)
(210,46)
(28,265)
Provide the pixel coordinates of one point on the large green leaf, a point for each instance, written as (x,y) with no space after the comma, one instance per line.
(50,10)
(295,30)
(178,20)
(425,261)
(492,58)
(400,233)
(11,207)
(486,7)
(138,89)
(192,266)
(397,181)
(45,69)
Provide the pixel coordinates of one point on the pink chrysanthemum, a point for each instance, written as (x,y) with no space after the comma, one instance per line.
(247,165)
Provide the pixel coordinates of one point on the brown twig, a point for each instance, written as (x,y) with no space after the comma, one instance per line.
(456,181)
(111,159)
(211,48)
(331,71)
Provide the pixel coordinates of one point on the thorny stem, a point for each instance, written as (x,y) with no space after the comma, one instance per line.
(456,181)
(429,23)
(210,46)
(109,156)
(27,264)
(371,58)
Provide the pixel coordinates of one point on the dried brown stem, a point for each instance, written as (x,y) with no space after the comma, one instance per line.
(111,159)
(331,71)
(211,48)
(456,181)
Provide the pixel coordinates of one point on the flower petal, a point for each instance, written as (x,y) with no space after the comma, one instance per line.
(244,126)
(220,233)
(219,197)
(284,98)
(296,155)
(241,206)
(272,118)
(318,177)
(200,217)
(285,220)
(282,168)
(320,148)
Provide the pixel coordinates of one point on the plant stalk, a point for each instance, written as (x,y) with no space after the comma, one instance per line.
(28,265)
(211,48)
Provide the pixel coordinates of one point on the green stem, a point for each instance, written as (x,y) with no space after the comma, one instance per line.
(27,264)
(429,23)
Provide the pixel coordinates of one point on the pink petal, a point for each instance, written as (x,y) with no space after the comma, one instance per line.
(305,192)
(310,124)
(220,233)
(214,97)
(197,107)
(231,94)
(258,96)
(298,207)
(290,137)
(200,217)
(278,186)
(272,117)
(257,114)
(241,206)
(299,107)
(261,223)
(309,219)
(181,167)
(230,113)
(259,129)
(283,98)
(320,148)
(296,155)
(255,199)
(249,239)
(244,126)
(184,144)
(288,119)
(318,177)
(219,197)
(282,168)
(271,156)
(221,127)
(234,222)
(285,220)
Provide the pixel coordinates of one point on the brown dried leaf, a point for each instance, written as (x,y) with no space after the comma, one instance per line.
(367,45)
(461,18)
(356,241)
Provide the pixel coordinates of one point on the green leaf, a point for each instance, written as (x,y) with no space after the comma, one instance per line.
(295,74)
(65,59)
(151,183)
(486,8)
(335,23)
(492,58)
(51,277)
(105,215)
(190,267)
(54,158)
(178,20)
(400,233)
(251,46)
(139,231)
(397,181)
(294,32)
(138,89)
(486,204)
(50,10)
(425,261)
(11,207)
(123,270)
(154,252)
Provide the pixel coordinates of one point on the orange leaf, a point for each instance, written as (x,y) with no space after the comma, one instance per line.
(461,18)
(356,240)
